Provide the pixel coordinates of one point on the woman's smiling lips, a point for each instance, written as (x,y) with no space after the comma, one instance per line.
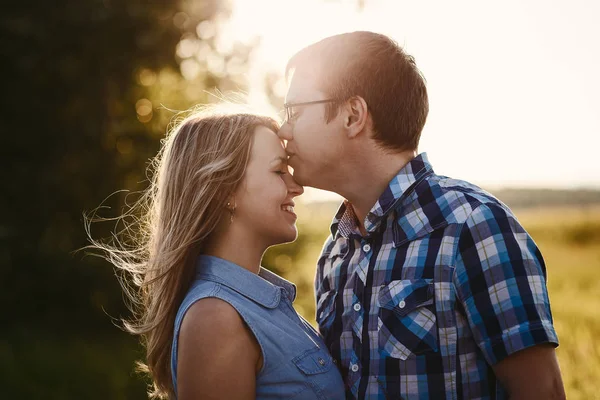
(289,208)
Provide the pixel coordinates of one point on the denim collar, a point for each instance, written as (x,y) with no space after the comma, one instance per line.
(264,288)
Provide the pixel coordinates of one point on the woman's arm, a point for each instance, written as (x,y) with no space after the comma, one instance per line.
(218,356)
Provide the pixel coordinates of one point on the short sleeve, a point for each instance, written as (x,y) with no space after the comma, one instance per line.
(500,279)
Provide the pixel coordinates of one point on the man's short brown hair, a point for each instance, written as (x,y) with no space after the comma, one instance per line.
(374,67)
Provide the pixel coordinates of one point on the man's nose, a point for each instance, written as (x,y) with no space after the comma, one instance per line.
(285,132)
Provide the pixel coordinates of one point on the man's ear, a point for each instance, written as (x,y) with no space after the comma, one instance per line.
(357,115)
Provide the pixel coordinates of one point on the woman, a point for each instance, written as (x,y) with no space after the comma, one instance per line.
(215,324)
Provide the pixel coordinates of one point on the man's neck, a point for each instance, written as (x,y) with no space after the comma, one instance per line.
(368,181)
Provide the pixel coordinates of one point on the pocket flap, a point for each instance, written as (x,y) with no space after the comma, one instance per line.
(313,361)
(404,296)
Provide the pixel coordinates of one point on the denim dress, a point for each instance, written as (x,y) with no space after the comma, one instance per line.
(296,363)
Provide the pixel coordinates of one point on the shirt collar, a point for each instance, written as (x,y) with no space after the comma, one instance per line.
(264,288)
(400,186)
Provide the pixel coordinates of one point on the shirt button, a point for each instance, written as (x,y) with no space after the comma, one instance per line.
(366,248)
(402,304)
(321,361)
(357,307)
(354,367)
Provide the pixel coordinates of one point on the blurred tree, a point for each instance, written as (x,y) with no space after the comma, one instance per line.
(89,87)
(83,81)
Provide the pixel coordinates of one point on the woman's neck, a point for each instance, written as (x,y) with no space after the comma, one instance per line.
(236,247)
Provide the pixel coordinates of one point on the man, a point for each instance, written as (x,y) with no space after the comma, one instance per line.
(428,287)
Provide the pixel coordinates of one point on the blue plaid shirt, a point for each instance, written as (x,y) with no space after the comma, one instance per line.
(445,284)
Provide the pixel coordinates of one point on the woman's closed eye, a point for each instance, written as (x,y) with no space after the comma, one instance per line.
(279,165)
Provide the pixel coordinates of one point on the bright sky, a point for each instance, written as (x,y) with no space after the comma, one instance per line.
(514,86)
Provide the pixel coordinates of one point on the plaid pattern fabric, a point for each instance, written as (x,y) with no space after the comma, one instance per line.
(445,284)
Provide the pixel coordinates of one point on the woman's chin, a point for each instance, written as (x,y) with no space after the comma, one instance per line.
(287,237)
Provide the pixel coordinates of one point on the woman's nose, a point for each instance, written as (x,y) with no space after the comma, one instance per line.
(293,187)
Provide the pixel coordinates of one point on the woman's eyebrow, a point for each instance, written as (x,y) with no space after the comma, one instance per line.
(279,159)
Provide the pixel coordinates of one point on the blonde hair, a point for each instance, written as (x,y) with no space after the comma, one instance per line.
(201,162)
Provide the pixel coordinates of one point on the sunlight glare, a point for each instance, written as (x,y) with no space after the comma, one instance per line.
(512,86)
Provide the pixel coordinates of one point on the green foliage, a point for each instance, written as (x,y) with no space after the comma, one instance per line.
(81,99)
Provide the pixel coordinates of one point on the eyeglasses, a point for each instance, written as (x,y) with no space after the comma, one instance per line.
(290,115)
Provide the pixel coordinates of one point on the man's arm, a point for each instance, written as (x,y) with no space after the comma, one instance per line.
(531,374)
(218,356)
(500,280)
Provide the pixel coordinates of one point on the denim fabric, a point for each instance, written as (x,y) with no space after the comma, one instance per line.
(296,363)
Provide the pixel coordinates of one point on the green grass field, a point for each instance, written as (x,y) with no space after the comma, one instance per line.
(569,239)
(570,242)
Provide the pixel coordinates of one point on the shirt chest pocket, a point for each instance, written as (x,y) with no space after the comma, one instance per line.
(321,378)
(407,319)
